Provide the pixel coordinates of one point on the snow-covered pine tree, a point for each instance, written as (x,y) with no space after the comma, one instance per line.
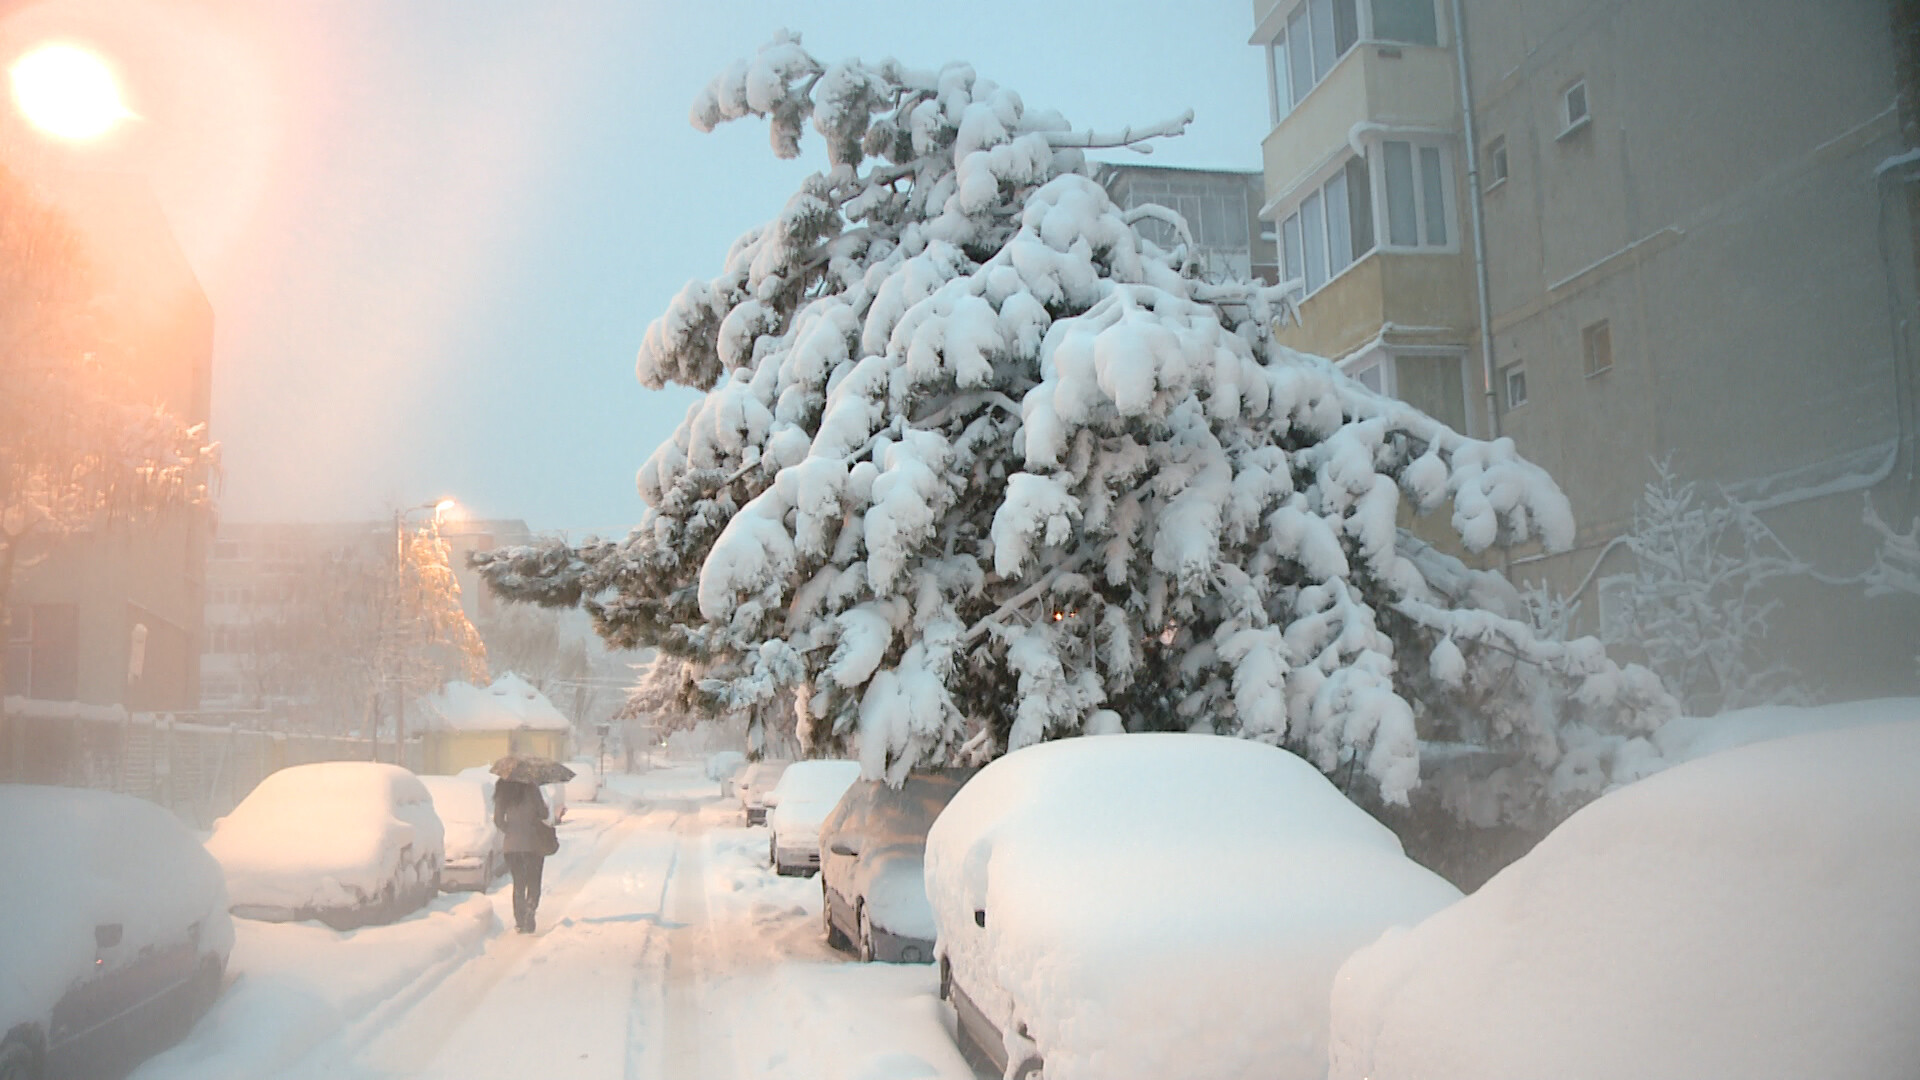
(978,466)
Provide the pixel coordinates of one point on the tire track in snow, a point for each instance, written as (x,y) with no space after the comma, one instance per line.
(411,1040)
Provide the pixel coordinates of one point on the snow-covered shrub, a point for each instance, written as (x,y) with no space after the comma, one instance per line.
(978,465)
(1701,597)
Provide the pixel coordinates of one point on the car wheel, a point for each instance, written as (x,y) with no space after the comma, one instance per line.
(20,1055)
(866,935)
(835,939)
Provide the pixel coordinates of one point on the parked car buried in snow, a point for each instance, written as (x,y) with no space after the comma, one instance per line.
(1155,905)
(723,766)
(116,933)
(873,893)
(805,795)
(347,842)
(475,851)
(753,783)
(1751,913)
(585,785)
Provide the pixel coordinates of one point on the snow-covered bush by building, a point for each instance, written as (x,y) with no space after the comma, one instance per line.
(979,466)
(1701,597)
(1748,914)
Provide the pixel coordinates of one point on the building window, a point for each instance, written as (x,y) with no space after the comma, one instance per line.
(1596,348)
(1331,230)
(1496,162)
(1616,592)
(1376,376)
(1319,32)
(1415,195)
(1516,385)
(1573,107)
(43,651)
(1410,22)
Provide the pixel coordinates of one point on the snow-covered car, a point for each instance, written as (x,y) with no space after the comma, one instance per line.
(806,794)
(1154,905)
(475,854)
(347,842)
(585,785)
(753,783)
(115,935)
(722,767)
(873,893)
(1751,913)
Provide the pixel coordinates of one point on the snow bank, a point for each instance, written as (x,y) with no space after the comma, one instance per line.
(1753,914)
(74,860)
(326,836)
(1163,905)
(510,703)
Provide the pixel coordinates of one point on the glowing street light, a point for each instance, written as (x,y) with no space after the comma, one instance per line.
(67,91)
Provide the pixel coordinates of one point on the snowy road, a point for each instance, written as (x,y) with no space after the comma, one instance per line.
(666,949)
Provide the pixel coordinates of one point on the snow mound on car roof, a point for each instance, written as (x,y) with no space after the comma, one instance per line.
(71,860)
(323,835)
(1164,905)
(1752,914)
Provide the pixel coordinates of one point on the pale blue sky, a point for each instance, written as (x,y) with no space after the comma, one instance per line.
(433,233)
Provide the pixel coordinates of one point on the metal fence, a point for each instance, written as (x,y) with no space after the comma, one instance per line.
(199,770)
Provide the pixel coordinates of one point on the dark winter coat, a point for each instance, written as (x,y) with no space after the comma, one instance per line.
(519,811)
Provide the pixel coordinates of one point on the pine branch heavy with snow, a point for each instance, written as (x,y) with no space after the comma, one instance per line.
(978,464)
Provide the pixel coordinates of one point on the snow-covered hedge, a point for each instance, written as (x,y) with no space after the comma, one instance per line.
(978,465)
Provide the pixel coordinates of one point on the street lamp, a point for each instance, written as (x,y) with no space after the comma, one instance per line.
(394,651)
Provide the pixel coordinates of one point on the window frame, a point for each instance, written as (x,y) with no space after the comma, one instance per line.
(1449,197)
(1570,123)
(1291,228)
(1591,335)
(1508,375)
(1496,152)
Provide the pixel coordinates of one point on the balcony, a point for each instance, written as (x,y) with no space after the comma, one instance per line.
(1411,87)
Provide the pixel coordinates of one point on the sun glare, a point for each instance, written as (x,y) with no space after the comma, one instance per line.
(67,91)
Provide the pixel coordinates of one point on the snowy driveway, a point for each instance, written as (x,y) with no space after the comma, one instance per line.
(667,949)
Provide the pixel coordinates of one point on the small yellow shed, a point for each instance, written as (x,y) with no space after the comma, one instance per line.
(467,726)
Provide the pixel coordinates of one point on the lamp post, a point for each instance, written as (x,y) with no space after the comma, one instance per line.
(395,652)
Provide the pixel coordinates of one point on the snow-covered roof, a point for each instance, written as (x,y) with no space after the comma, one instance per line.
(511,703)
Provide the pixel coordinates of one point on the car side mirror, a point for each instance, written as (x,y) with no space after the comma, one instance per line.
(842,847)
(771,798)
(979,916)
(107,935)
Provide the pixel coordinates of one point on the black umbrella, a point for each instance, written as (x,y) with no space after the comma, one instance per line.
(531,770)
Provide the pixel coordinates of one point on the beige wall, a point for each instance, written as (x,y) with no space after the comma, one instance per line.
(1721,212)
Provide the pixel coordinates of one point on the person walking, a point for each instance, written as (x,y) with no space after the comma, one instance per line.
(522,816)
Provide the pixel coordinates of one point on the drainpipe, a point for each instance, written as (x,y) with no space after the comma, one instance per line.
(1475,207)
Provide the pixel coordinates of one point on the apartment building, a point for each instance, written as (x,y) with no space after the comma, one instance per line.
(1698,249)
(266,580)
(1221,208)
